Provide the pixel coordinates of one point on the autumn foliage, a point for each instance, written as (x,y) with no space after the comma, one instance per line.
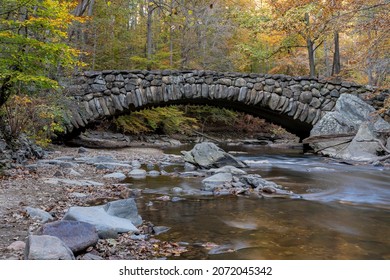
(42,41)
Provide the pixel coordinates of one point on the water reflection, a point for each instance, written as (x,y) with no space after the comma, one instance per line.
(344,213)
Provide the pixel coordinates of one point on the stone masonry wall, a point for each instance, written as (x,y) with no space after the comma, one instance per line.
(291,101)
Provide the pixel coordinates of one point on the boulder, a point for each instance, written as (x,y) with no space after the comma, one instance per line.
(124,208)
(46,247)
(39,214)
(349,112)
(363,146)
(348,131)
(256,181)
(76,235)
(228,169)
(116,216)
(266,188)
(208,155)
(216,180)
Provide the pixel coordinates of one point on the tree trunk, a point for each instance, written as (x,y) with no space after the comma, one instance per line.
(82,7)
(5,90)
(336,57)
(171,35)
(149,34)
(328,69)
(310,49)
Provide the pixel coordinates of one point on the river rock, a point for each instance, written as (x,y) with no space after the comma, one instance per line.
(135,164)
(97,159)
(363,146)
(111,165)
(82,150)
(61,163)
(80,183)
(137,173)
(46,247)
(349,112)
(189,174)
(116,216)
(266,188)
(76,235)
(17,246)
(160,229)
(115,175)
(154,173)
(124,208)
(349,115)
(208,155)
(212,182)
(73,172)
(228,169)
(177,190)
(189,166)
(256,181)
(39,214)
(91,257)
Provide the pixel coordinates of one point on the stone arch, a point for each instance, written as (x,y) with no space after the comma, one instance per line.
(295,103)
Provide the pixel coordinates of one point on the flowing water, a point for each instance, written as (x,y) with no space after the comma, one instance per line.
(344,212)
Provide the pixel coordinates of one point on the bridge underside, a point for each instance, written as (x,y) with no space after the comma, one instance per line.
(294,126)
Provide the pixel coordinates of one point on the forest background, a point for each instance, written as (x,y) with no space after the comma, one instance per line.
(42,41)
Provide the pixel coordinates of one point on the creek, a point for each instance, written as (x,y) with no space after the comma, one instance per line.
(344,212)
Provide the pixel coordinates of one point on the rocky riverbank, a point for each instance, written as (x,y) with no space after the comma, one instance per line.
(73,204)
(75,201)
(44,190)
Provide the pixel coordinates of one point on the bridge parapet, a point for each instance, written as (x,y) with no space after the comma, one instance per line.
(296,103)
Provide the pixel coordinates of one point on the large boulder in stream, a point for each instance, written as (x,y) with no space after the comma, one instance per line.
(114,217)
(350,132)
(208,155)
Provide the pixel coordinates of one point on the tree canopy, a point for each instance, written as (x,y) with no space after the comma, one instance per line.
(42,40)
(33,45)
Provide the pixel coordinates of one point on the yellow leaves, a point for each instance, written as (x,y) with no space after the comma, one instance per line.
(7,34)
(21,100)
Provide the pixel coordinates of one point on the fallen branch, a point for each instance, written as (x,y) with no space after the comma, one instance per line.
(382,158)
(209,137)
(329,137)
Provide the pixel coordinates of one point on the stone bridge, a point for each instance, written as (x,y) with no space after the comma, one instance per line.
(295,103)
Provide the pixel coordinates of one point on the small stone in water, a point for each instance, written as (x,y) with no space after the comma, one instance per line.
(164,198)
(176,190)
(160,229)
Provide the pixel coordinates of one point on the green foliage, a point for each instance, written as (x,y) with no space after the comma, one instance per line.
(209,114)
(39,117)
(33,45)
(186,119)
(168,120)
